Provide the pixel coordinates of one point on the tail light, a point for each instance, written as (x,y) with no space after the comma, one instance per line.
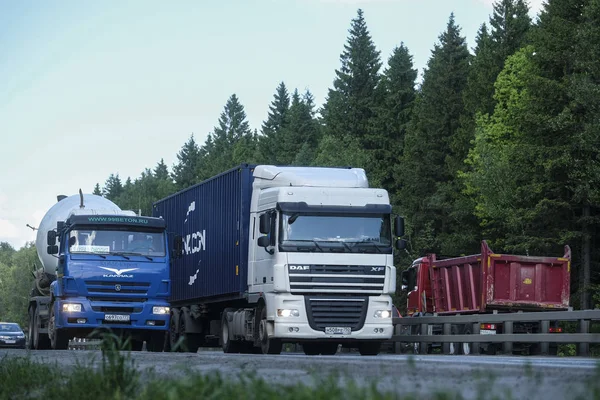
(491,327)
(555,330)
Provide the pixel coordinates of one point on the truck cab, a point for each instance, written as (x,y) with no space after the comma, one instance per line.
(112,273)
(321,256)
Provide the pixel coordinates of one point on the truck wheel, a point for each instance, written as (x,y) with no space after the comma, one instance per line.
(268,345)
(191,341)
(466,347)
(228,345)
(369,348)
(173,334)
(40,340)
(59,340)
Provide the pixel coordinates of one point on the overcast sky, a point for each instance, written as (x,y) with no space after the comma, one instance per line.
(88,89)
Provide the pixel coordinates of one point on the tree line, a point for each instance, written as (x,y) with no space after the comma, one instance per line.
(499,143)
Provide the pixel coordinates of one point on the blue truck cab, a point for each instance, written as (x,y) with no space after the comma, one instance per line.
(112,271)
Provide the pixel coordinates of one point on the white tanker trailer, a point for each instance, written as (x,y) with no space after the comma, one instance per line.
(102,267)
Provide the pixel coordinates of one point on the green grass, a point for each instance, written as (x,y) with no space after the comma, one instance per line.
(116,377)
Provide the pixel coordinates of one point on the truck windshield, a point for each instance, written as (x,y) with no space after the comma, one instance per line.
(101,241)
(349,233)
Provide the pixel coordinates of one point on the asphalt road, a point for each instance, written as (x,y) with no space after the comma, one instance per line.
(472,376)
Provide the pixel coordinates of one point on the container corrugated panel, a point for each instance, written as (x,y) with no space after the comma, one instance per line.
(488,281)
(213,219)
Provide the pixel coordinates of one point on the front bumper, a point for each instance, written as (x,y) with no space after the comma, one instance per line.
(299,328)
(12,343)
(96,314)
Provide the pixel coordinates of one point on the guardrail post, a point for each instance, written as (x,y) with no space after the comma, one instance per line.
(422,345)
(584,348)
(545,346)
(446,346)
(476,331)
(397,345)
(508,329)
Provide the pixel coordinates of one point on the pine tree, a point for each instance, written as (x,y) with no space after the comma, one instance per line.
(218,153)
(113,188)
(185,171)
(348,108)
(393,112)
(97,190)
(510,24)
(429,165)
(300,137)
(269,141)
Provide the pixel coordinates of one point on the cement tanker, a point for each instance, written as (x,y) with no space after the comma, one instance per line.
(102,267)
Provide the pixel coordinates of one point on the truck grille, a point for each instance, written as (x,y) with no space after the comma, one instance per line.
(336,311)
(116,287)
(307,279)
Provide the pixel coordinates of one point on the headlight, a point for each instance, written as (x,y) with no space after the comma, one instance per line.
(160,310)
(383,314)
(287,313)
(68,307)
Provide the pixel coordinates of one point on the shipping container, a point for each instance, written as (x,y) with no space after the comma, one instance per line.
(490,281)
(213,218)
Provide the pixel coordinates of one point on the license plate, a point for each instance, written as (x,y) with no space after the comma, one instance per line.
(337,330)
(117,317)
(487,332)
(10,341)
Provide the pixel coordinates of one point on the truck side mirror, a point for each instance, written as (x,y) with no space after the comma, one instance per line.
(399,226)
(51,238)
(265,223)
(263,241)
(52,249)
(404,278)
(60,225)
(400,244)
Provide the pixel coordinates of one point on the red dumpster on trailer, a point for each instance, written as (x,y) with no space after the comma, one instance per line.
(489,281)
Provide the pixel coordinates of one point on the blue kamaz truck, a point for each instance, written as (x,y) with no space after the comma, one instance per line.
(102,267)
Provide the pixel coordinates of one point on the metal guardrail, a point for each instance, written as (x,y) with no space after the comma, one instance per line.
(583,339)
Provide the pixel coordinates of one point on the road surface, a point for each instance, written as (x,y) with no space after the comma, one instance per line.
(471,376)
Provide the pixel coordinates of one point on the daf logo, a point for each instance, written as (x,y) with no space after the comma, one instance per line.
(376,269)
(117,287)
(299,267)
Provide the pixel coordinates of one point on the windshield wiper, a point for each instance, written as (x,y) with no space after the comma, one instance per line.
(130,253)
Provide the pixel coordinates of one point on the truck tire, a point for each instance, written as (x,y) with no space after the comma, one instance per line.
(268,345)
(465,349)
(173,335)
(59,338)
(191,341)
(228,345)
(40,340)
(369,348)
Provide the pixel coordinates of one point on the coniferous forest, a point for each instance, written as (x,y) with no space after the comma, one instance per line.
(498,142)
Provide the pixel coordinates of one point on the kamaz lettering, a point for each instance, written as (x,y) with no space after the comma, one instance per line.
(194,242)
(116,276)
